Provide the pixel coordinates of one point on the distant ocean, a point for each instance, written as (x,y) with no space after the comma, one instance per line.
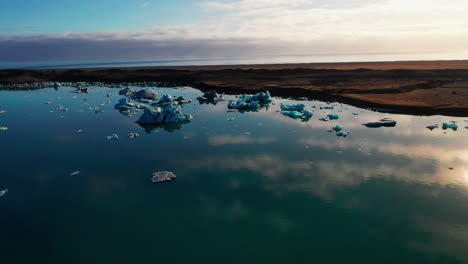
(263,59)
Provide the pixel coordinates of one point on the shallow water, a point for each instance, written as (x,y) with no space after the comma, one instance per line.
(263,187)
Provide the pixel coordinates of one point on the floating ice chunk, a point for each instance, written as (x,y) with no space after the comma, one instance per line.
(3,192)
(127,92)
(163,176)
(337,128)
(343,133)
(169,114)
(56,85)
(385,123)
(3,111)
(432,127)
(145,95)
(453,126)
(3,128)
(292,107)
(79,131)
(125,104)
(241,104)
(293,114)
(333,117)
(211,96)
(324,119)
(261,98)
(230,119)
(75,173)
(133,135)
(112,137)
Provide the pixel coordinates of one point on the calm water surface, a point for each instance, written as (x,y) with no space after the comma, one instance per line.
(263,188)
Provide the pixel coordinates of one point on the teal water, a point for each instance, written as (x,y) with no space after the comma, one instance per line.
(263,188)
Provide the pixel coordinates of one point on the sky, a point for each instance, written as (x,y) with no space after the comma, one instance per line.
(132,29)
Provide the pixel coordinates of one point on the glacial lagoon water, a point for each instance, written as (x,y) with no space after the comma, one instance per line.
(262,188)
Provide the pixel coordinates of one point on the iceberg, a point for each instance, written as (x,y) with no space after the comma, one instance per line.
(169,114)
(3,128)
(452,126)
(133,135)
(3,192)
(243,105)
(211,96)
(163,176)
(126,92)
(337,128)
(112,137)
(327,107)
(333,117)
(146,95)
(168,100)
(343,133)
(125,104)
(384,123)
(292,107)
(261,98)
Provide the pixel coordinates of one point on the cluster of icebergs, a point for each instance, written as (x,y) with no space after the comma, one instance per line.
(167,109)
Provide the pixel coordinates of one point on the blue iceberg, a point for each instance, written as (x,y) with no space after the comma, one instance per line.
(168,114)
(337,128)
(384,123)
(292,107)
(333,117)
(446,126)
(243,105)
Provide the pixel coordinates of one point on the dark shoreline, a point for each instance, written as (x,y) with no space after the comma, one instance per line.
(420,88)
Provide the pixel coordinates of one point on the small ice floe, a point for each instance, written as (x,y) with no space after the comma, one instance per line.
(211,96)
(112,137)
(337,128)
(163,176)
(74,173)
(452,126)
(98,111)
(230,119)
(61,108)
(3,128)
(327,108)
(48,103)
(382,123)
(432,127)
(3,192)
(296,111)
(3,111)
(343,133)
(79,131)
(292,107)
(133,135)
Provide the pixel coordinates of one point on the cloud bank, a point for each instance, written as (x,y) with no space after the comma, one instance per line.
(255,27)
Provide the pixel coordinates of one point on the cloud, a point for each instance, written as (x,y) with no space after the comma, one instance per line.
(252,27)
